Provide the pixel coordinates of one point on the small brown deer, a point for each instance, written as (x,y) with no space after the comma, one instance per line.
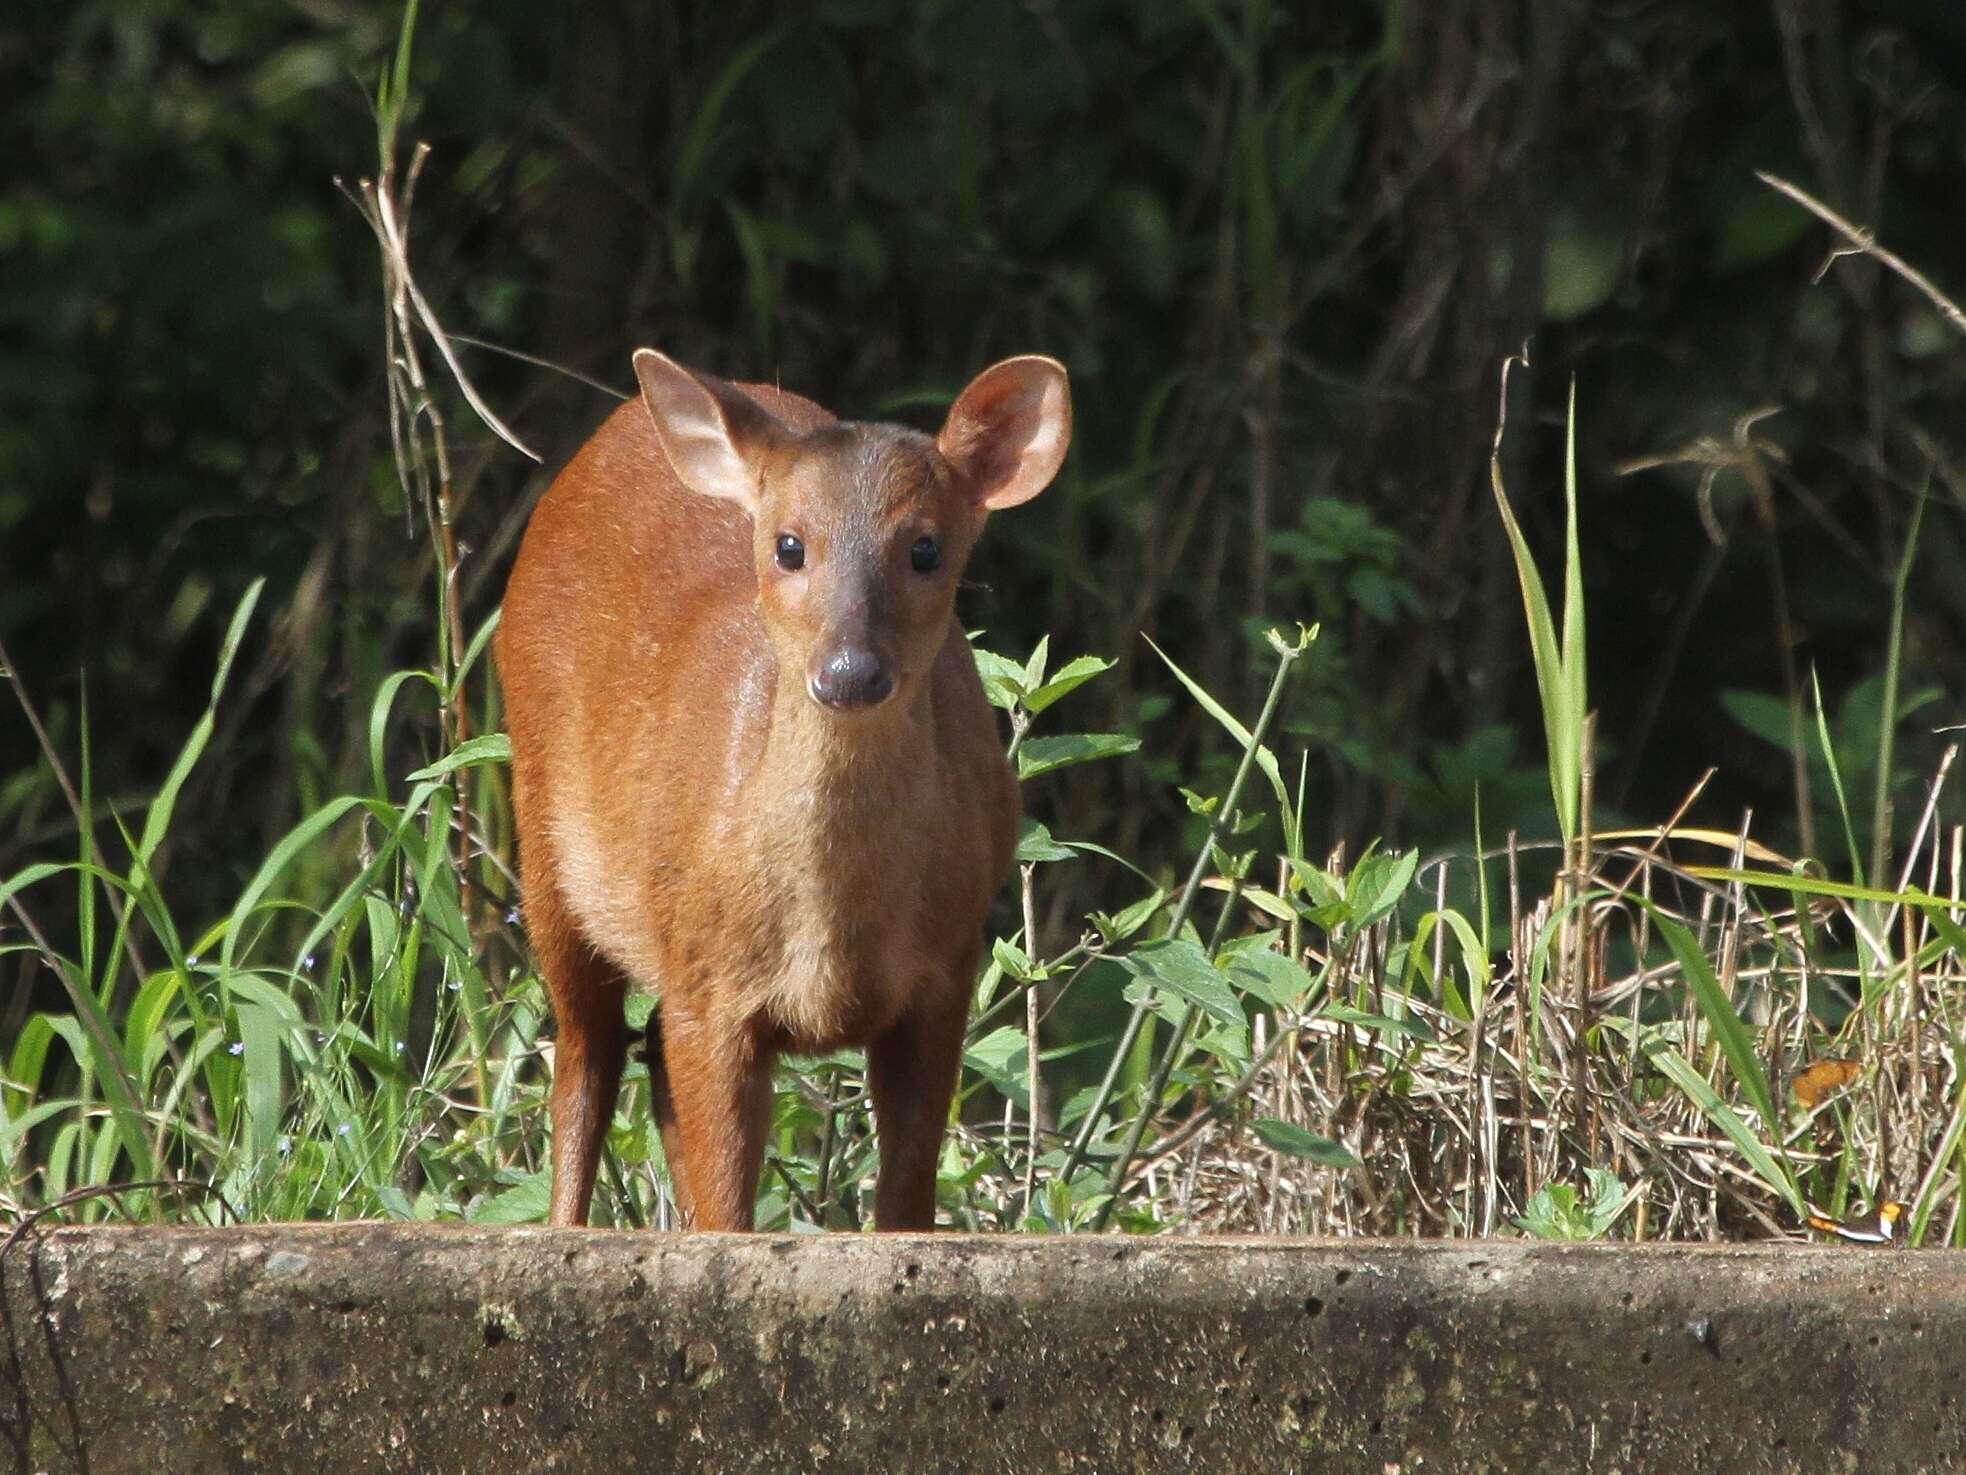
(753,765)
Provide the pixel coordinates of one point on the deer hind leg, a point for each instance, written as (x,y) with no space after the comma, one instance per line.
(588,992)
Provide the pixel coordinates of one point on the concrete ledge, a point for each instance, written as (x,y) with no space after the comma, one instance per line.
(372,1347)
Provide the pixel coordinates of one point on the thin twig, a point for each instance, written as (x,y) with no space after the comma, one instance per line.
(1863,243)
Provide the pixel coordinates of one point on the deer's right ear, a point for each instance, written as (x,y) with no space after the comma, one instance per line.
(712,432)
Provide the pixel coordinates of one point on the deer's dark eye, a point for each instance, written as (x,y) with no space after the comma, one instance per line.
(790,554)
(926,555)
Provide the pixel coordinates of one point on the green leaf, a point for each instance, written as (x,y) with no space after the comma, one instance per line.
(1279,981)
(1012,959)
(1677,1069)
(30,1054)
(1035,844)
(475,649)
(1552,1214)
(687,174)
(291,845)
(146,1017)
(1283,1137)
(1756,227)
(1376,884)
(1416,1029)
(1033,673)
(1720,1015)
(491,747)
(157,821)
(1002,1058)
(1042,755)
(260,1030)
(1767,717)
(1322,888)
(526,1202)
(1265,759)
(1560,673)
(1130,919)
(1003,678)
(1066,680)
(1181,968)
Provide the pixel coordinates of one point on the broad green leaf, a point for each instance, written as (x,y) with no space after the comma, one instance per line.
(1281,982)
(1322,888)
(1003,678)
(1012,959)
(1066,680)
(1036,844)
(1181,968)
(1130,919)
(1294,1140)
(526,1202)
(1002,1058)
(1042,755)
(1376,884)
(1033,673)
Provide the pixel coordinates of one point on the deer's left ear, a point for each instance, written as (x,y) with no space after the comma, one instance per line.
(1008,432)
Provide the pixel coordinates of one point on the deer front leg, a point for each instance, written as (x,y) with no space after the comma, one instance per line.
(714,1107)
(911,1072)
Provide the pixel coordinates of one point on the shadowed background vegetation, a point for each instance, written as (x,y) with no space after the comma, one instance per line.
(1283,250)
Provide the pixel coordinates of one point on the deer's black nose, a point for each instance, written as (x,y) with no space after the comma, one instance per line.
(851,677)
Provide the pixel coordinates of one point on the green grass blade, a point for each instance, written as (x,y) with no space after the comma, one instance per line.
(1887,716)
(1676,1068)
(1265,759)
(1562,730)
(1836,779)
(1722,1019)
(294,843)
(157,821)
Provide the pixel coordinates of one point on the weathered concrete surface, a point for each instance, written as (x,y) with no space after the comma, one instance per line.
(371,1347)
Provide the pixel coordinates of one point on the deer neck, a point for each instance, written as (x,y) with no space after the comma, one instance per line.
(846,779)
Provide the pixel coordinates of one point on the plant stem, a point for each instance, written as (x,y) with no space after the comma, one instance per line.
(1165,1068)
(1224,817)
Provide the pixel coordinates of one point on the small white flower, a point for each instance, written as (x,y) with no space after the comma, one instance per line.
(237,1047)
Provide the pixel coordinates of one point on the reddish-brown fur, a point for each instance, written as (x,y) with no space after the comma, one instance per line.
(789,876)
